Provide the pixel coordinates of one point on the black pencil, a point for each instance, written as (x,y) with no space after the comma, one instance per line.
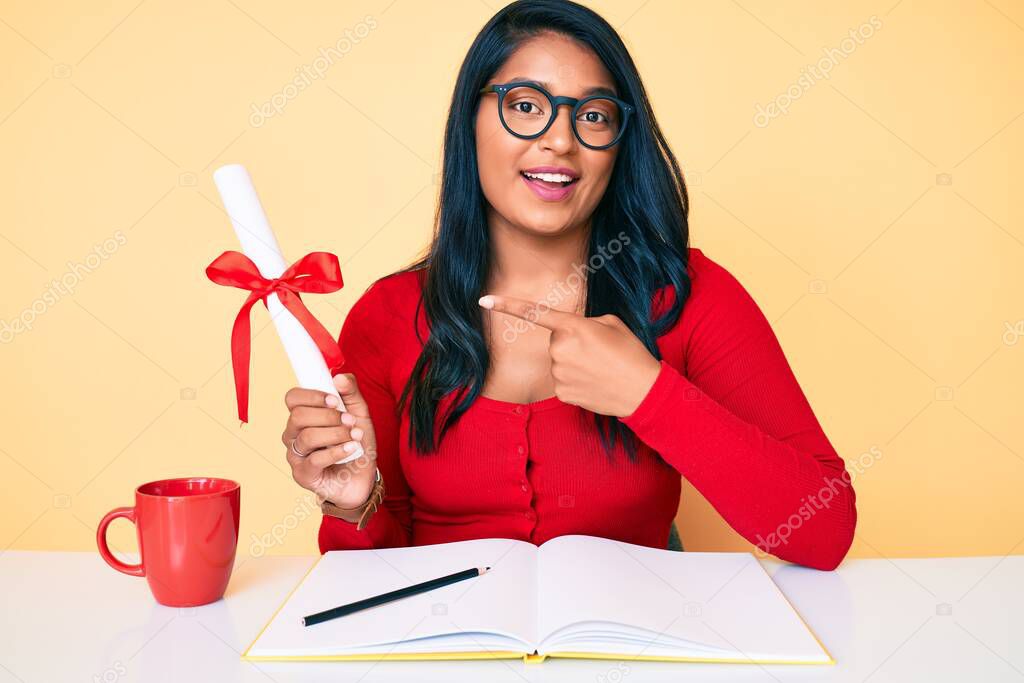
(415,589)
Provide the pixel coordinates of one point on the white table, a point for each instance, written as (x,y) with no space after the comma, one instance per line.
(68,617)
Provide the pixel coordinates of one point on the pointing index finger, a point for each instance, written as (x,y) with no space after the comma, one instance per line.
(538,313)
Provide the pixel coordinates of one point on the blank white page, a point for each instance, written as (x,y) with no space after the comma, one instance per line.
(502,600)
(722,601)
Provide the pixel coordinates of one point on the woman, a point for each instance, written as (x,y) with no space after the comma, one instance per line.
(605,358)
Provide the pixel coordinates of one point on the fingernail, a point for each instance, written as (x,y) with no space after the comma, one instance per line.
(347,419)
(487,301)
(349,448)
(357,434)
(332,400)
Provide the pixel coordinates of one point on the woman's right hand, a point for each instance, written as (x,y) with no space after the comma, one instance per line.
(326,435)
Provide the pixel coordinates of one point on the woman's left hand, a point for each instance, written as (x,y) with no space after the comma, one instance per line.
(596,363)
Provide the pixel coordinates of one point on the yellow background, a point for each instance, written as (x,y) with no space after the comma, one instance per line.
(872,222)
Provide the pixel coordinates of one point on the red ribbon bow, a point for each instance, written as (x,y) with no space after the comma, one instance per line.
(317,273)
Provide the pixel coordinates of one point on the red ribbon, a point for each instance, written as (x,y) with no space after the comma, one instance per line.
(316,273)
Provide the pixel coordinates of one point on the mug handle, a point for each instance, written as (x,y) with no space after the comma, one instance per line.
(101,541)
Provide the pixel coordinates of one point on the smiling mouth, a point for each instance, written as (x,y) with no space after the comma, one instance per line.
(539,178)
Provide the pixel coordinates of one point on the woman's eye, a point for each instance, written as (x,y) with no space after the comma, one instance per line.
(525,107)
(594,117)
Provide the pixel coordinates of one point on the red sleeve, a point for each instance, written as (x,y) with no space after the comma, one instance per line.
(363,340)
(740,429)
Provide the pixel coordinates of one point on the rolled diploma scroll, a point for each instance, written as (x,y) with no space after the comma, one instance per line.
(259,244)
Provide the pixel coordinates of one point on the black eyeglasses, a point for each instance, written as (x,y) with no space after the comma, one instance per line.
(527,110)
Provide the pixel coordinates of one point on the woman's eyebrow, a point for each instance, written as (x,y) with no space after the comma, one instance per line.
(593,90)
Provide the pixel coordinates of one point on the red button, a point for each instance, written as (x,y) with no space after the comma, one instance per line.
(517,410)
(521,449)
(524,487)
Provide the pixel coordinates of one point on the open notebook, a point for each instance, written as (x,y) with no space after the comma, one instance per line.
(574,596)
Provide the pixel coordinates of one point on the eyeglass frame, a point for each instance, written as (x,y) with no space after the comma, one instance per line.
(502,89)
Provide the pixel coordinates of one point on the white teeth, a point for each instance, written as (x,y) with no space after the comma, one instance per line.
(550,177)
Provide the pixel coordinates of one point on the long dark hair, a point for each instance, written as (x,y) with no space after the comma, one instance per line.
(645,206)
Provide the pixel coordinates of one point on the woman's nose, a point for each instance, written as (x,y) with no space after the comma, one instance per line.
(559,136)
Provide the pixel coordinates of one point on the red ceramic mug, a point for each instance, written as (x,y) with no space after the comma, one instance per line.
(188,533)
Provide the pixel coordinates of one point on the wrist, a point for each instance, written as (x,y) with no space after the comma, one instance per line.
(644,383)
(347,491)
(359,514)
(346,502)
(345,514)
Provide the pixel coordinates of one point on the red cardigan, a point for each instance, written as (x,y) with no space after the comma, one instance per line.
(725,412)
